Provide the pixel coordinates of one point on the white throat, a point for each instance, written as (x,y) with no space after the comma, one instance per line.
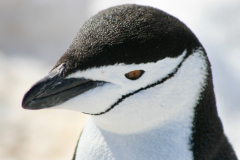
(152,124)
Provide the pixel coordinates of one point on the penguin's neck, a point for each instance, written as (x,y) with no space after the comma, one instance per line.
(168,141)
(160,127)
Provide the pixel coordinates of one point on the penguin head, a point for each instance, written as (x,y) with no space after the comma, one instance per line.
(123,67)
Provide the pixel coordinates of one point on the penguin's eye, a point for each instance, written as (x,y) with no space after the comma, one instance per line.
(133,75)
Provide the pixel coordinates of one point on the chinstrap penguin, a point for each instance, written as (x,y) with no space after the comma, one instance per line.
(145,80)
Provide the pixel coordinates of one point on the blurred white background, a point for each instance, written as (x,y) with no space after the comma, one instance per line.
(35,33)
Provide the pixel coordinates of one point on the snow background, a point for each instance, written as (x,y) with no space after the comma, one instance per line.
(35,33)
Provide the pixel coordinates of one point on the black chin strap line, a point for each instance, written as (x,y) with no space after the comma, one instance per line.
(170,75)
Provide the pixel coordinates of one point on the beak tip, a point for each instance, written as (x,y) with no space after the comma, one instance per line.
(26,100)
(29,106)
(25,105)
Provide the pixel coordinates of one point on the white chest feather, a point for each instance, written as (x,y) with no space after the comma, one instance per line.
(152,124)
(170,142)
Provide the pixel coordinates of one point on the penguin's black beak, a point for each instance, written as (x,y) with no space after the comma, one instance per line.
(53,90)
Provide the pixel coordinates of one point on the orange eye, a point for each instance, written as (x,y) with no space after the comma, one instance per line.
(133,75)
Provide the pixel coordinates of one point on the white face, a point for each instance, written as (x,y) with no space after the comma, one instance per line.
(152,104)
